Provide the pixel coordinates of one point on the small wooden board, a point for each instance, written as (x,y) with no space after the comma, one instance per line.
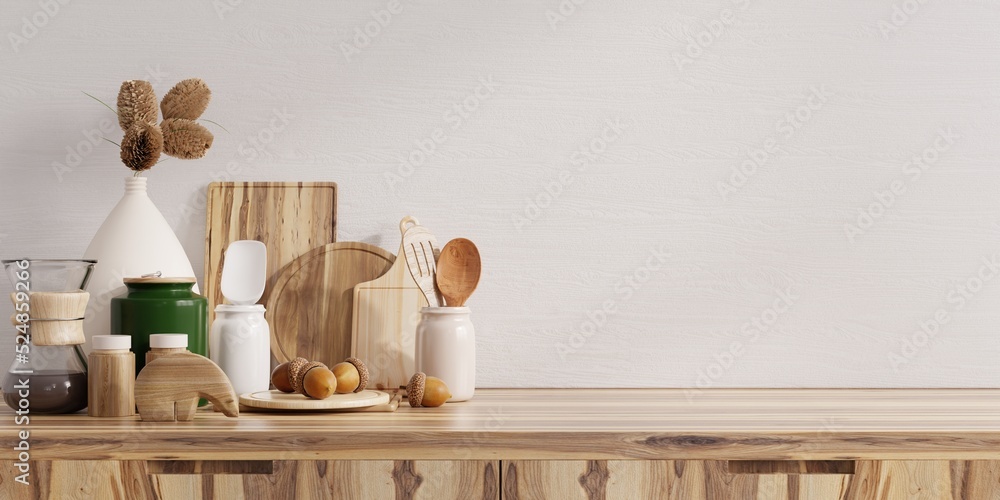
(386,313)
(311,304)
(290,218)
(277,400)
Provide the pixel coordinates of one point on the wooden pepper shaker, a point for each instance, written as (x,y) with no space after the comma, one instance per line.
(165,344)
(111,381)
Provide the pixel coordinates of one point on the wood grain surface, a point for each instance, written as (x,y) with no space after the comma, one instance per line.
(386,313)
(791,466)
(311,304)
(111,383)
(277,400)
(566,424)
(56,318)
(334,480)
(57,305)
(290,218)
(167,389)
(686,480)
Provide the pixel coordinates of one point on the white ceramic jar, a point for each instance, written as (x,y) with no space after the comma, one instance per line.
(240,343)
(446,349)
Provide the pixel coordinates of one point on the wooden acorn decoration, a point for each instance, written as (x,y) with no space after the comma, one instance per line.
(424,391)
(280,377)
(296,370)
(352,376)
(315,380)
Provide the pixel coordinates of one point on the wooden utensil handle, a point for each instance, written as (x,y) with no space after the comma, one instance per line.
(790,466)
(164,467)
(407,222)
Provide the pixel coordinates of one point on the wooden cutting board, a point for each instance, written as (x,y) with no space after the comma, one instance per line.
(290,218)
(386,313)
(277,400)
(310,307)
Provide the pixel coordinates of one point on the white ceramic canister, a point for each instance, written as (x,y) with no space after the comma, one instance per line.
(240,343)
(446,349)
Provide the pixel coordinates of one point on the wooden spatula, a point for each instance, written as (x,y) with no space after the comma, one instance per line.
(421,251)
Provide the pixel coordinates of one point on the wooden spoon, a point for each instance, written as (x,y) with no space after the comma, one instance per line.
(458,271)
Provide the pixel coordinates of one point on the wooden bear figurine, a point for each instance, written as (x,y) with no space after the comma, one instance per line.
(168,389)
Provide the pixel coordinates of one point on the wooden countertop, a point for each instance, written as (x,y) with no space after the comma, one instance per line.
(760,424)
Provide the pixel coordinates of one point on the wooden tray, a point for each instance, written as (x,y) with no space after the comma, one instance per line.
(277,400)
(310,307)
(290,218)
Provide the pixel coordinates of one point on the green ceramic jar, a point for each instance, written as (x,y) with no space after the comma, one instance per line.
(160,305)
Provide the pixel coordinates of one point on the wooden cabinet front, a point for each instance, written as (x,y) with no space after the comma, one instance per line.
(337,479)
(518,480)
(719,480)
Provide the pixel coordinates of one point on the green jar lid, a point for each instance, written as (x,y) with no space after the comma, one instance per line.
(129,281)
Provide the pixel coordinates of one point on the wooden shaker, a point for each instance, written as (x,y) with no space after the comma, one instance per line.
(111,379)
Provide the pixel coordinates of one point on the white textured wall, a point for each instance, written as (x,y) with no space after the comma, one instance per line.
(634,113)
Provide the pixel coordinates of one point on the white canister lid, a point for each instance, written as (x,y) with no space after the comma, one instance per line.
(168,341)
(112,342)
(231,308)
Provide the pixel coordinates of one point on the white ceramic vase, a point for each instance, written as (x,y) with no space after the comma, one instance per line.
(134,240)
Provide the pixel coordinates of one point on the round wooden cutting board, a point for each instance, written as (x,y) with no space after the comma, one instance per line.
(277,400)
(310,307)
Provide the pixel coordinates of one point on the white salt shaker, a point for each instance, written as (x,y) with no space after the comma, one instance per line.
(240,341)
(446,349)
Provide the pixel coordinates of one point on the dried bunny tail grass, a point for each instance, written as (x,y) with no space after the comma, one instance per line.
(188,99)
(185,139)
(136,103)
(141,146)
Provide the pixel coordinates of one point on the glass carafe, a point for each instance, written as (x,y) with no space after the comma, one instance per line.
(45,378)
